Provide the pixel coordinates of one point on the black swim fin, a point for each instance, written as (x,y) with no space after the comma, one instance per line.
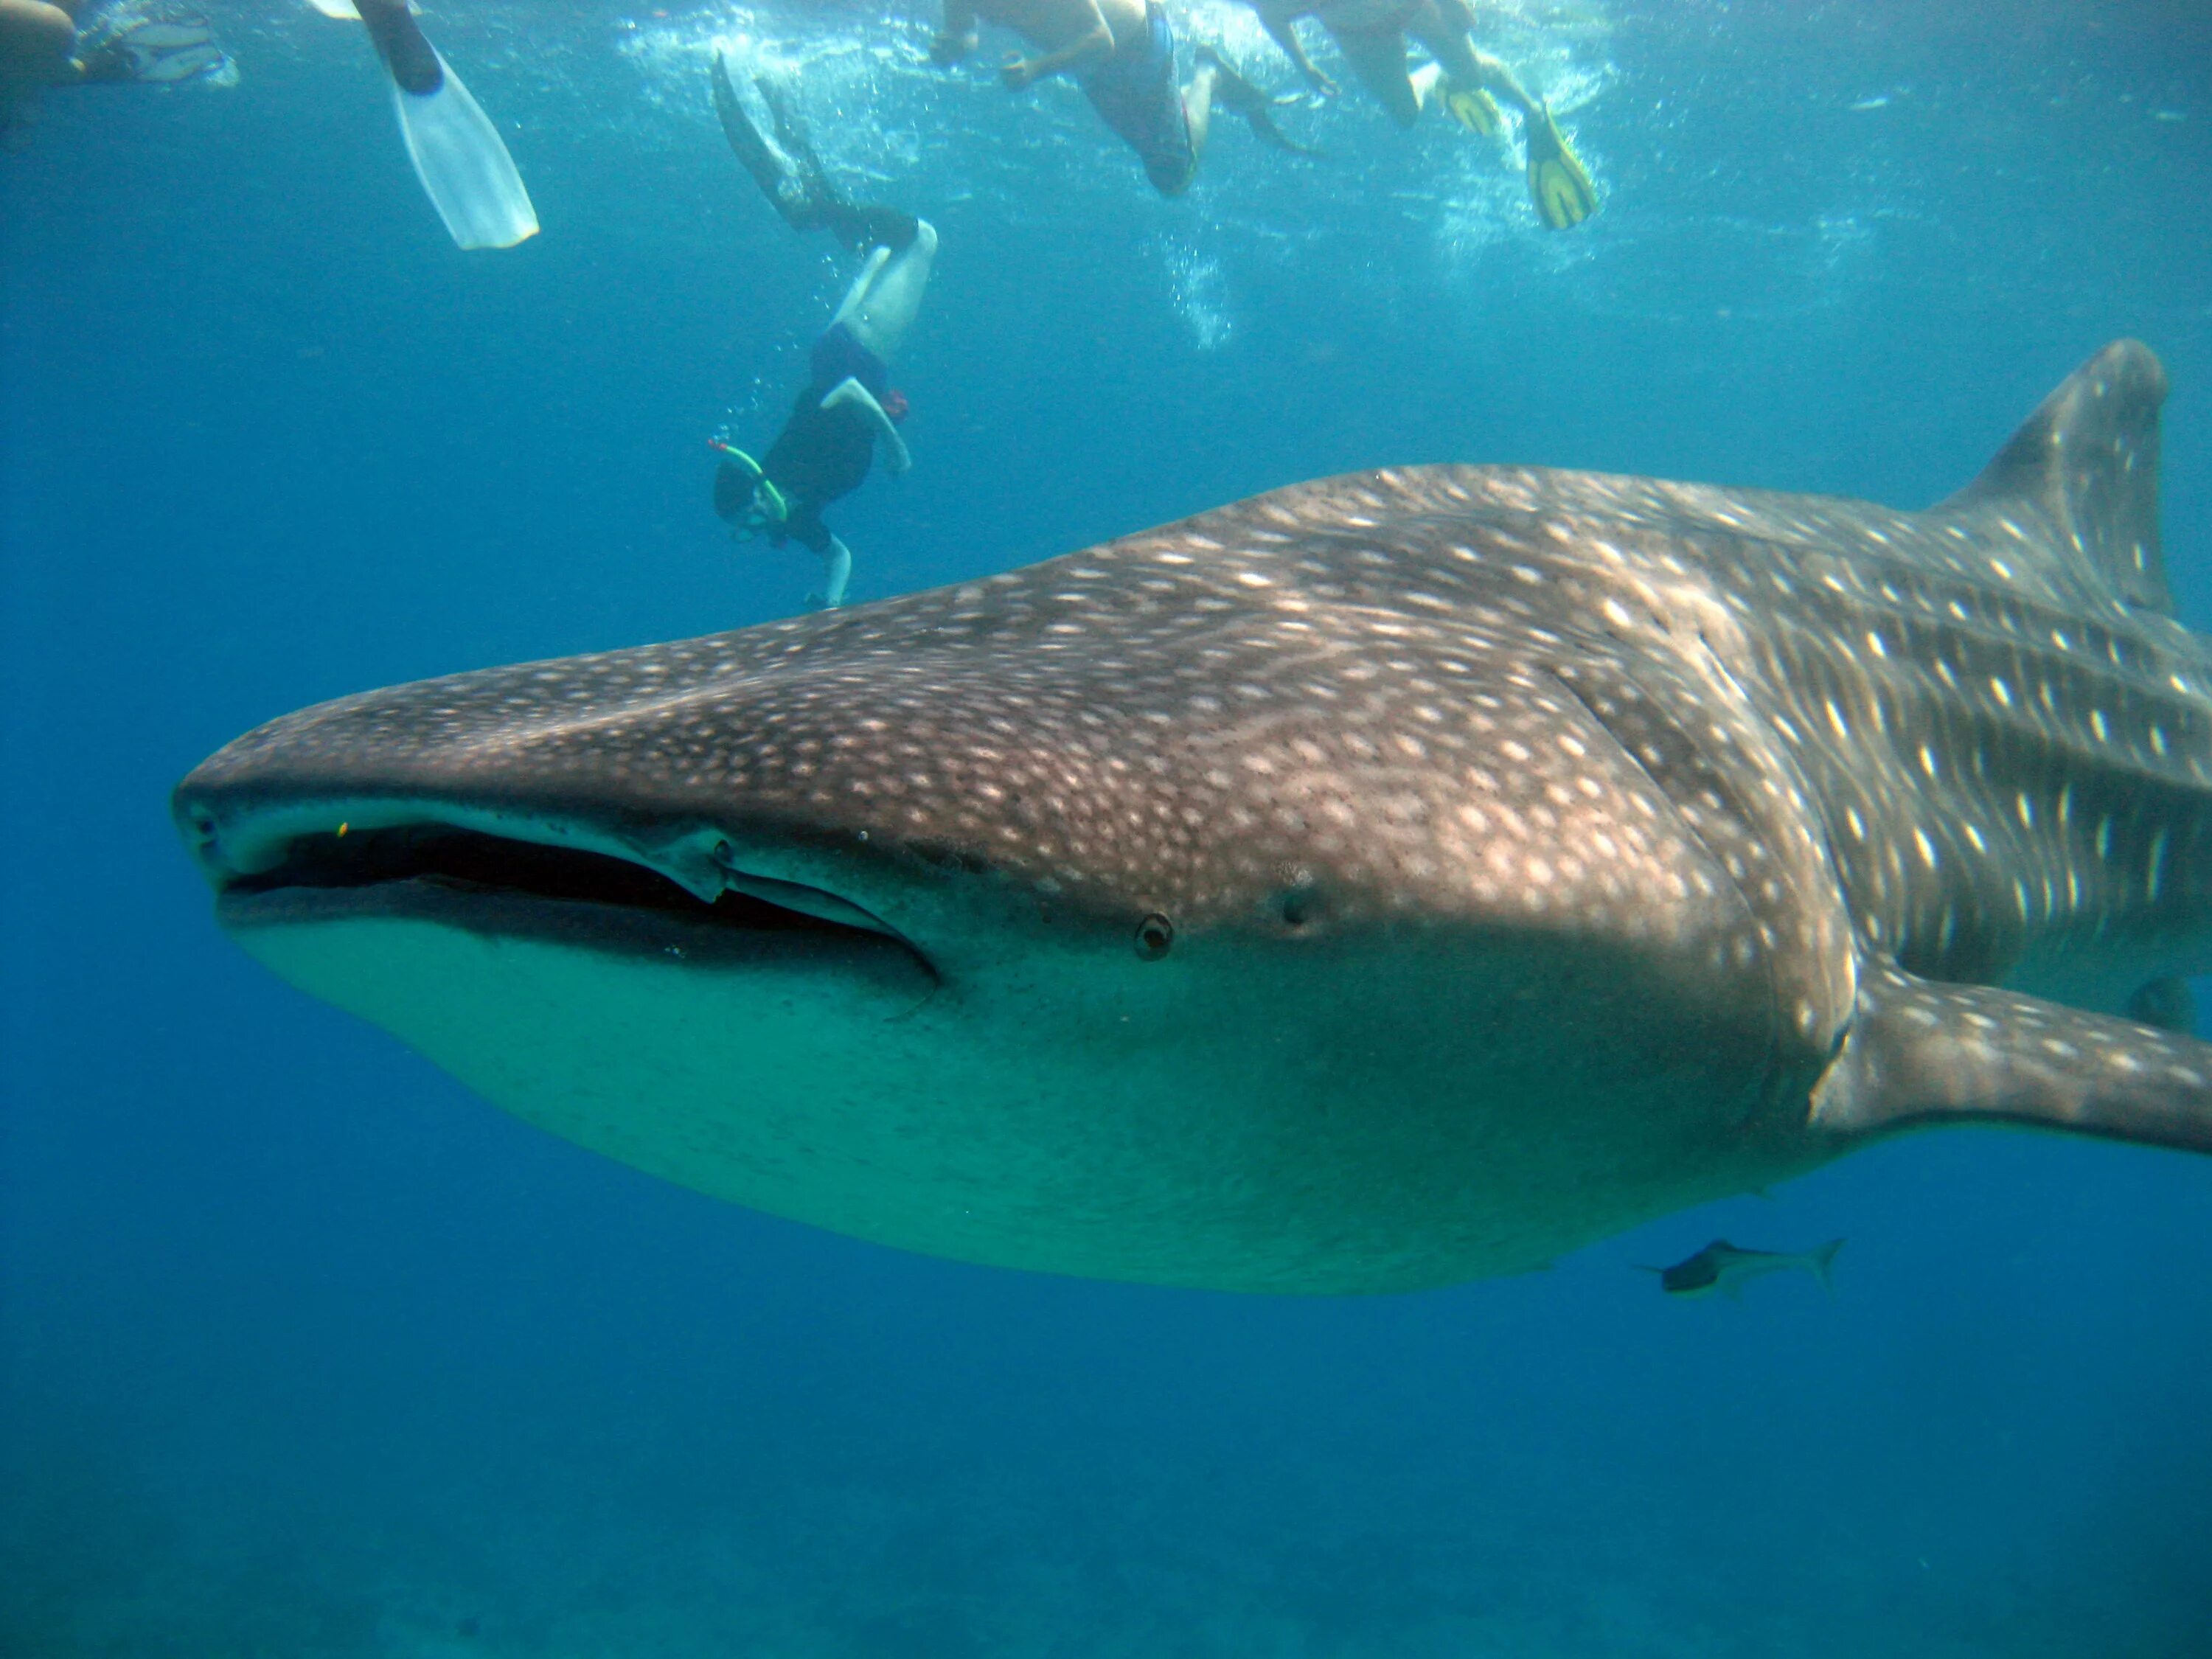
(779,179)
(791,131)
(792,176)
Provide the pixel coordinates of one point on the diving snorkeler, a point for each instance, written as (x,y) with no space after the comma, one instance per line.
(39,47)
(1371,34)
(848,405)
(463,166)
(1122,54)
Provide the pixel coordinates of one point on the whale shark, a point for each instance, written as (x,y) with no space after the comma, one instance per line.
(1387,881)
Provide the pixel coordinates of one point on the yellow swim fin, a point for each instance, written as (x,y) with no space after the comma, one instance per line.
(1474,108)
(1558,182)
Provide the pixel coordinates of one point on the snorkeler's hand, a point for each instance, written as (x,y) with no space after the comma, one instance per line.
(1018,72)
(1321,83)
(946,50)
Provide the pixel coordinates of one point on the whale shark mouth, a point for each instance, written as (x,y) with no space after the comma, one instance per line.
(501,886)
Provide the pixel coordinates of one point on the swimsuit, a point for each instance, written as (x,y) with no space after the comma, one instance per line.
(839,356)
(1134,91)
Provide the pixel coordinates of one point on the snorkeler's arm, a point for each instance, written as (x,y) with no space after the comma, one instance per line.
(1087,49)
(850,390)
(958,37)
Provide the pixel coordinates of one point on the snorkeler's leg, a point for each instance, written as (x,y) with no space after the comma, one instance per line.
(1198,103)
(1558,184)
(1377,58)
(880,306)
(858,289)
(1215,82)
(837,570)
(1501,80)
(1441,28)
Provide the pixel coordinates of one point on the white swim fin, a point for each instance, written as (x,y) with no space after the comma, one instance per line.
(465,167)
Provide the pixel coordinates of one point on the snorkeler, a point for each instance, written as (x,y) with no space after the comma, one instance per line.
(1371,35)
(463,166)
(38,47)
(1121,54)
(848,405)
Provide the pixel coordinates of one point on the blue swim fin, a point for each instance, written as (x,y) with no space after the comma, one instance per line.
(465,167)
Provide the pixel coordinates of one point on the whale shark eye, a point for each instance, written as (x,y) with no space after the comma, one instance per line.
(1154,934)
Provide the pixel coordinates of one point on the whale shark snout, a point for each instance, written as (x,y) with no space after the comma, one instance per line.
(1383,882)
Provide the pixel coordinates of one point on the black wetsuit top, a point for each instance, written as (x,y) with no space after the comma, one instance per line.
(820,455)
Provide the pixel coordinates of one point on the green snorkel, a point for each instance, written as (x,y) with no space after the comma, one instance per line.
(767,508)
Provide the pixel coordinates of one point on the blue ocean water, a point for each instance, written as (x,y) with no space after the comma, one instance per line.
(305,1350)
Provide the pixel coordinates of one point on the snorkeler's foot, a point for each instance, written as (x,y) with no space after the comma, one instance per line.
(1558,184)
(1474,108)
(862,226)
(157,52)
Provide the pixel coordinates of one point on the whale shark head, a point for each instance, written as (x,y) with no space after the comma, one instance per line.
(1381,883)
(1243,903)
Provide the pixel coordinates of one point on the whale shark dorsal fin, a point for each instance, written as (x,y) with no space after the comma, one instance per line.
(1919,1052)
(2087,458)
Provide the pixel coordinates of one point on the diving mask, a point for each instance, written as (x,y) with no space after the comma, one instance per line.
(766,507)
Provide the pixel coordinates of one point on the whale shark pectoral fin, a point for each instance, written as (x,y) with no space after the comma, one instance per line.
(2087,460)
(1921,1052)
